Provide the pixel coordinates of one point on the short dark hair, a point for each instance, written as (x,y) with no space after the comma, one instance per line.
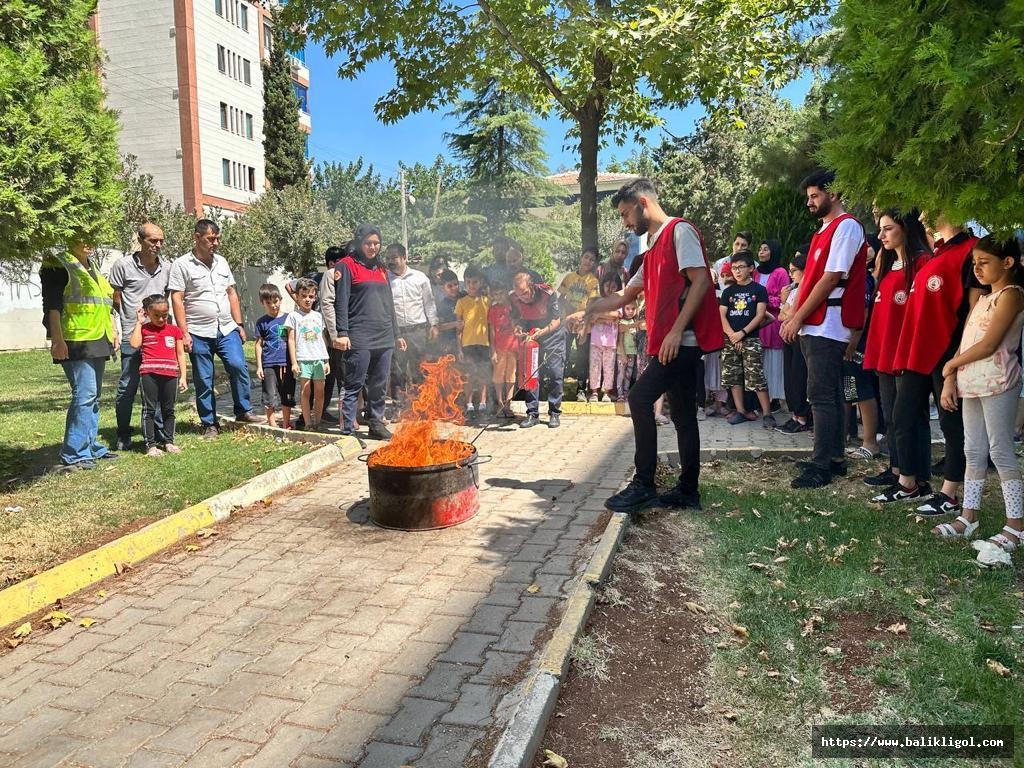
(397,248)
(473,271)
(207,225)
(821,178)
(333,254)
(153,300)
(743,257)
(449,277)
(746,235)
(269,291)
(631,191)
(304,284)
(799,261)
(592,249)
(614,279)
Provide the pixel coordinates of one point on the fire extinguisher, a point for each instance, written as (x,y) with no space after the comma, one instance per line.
(528,364)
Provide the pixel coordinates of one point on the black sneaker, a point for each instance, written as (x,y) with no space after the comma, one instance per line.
(811,477)
(679,498)
(379,432)
(884,479)
(900,494)
(531,420)
(791,427)
(109,455)
(836,468)
(938,505)
(123,444)
(554,420)
(634,497)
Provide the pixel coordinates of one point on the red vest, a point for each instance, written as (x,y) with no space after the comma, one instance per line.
(663,291)
(854,286)
(887,319)
(932,315)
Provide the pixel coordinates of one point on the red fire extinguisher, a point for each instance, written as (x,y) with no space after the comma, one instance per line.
(528,364)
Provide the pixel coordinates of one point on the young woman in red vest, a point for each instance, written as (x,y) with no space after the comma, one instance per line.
(943,292)
(682,321)
(904,251)
(829,308)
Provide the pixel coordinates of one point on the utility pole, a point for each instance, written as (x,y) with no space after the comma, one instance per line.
(405,225)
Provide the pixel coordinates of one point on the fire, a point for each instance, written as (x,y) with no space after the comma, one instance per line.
(417,441)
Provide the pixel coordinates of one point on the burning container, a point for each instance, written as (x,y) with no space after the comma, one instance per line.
(428,497)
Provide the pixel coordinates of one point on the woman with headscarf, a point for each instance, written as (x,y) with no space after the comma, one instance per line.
(364,312)
(773,276)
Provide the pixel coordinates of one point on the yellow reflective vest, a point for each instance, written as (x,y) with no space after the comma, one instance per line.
(88,302)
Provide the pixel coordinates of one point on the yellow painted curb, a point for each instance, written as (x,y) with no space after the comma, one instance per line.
(57,583)
(576,408)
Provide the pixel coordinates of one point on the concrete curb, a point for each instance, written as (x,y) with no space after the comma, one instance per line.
(522,736)
(44,589)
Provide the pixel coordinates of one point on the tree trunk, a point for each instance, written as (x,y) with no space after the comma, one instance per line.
(590,126)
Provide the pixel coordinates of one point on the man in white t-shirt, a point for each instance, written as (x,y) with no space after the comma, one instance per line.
(829,309)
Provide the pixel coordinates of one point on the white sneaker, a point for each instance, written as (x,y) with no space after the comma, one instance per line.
(154,453)
(605,398)
(702,414)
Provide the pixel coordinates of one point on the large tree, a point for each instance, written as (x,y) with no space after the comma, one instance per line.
(601,65)
(930,107)
(356,192)
(141,203)
(284,143)
(58,145)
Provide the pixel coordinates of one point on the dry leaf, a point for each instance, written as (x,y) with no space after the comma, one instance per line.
(790,646)
(710,629)
(695,608)
(86,622)
(555,760)
(192,547)
(56,619)
(12,642)
(24,630)
(778,584)
(810,625)
(998,668)
(732,717)
(762,655)
(740,631)
(206,533)
(757,566)
(722,645)
(988,626)
(899,628)
(773,673)
(832,651)
(780,560)
(533,589)
(756,513)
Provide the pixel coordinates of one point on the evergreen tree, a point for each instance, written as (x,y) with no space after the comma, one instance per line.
(58,145)
(284,143)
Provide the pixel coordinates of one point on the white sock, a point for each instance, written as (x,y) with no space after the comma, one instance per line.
(972,493)
(1013,498)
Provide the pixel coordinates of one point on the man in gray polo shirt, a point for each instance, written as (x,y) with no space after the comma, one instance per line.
(133,278)
(209,313)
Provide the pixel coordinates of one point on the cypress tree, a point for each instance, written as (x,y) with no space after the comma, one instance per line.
(284,143)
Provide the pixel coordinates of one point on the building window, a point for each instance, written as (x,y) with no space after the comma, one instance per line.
(246,74)
(303,94)
(221,59)
(223,115)
(225,166)
(252,179)
(268,39)
(248,125)
(245,18)
(218,6)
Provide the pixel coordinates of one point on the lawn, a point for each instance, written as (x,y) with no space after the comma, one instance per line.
(774,610)
(45,518)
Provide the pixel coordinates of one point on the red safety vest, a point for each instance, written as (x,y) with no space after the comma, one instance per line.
(887,319)
(854,284)
(932,316)
(664,285)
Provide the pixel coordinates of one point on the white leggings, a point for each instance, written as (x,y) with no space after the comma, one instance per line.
(988,432)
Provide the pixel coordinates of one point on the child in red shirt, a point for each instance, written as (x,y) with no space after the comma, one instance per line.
(162,371)
(503,348)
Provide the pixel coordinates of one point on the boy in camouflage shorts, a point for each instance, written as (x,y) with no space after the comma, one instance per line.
(744,306)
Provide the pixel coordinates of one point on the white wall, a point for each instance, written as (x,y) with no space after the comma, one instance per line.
(141,75)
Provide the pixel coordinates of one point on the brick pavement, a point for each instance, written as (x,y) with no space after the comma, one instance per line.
(304,636)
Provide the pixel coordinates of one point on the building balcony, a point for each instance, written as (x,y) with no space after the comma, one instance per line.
(305,120)
(300,71)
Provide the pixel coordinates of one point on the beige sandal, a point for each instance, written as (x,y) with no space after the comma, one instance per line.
(1000,540)
(947,531)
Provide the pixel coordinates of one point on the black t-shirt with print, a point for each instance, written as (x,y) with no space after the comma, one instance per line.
(740,302)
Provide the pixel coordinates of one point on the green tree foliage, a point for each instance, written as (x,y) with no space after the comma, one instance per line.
(285,228)
(142,203)
(58,145)
(709,175)
(779,212)
(930,107)
(356,192)
(284,143)
(602,67)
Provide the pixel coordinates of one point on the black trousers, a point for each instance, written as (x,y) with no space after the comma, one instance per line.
(158,396)
(794,373)
(677,381)
(825,394)
(911,416)
(921,459)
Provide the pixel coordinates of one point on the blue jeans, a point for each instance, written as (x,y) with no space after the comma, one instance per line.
(83,421)
(229,350)
(369,368)
(127,390)
(552,370)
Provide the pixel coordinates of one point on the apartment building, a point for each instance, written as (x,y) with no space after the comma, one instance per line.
(186,78)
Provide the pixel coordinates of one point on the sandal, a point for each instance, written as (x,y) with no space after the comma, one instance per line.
(947,531)
(737,418)
(1001,541)
(860,452)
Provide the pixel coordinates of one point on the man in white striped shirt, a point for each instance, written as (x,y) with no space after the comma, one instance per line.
(416,314)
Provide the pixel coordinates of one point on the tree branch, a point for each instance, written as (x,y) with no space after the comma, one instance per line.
(530,59)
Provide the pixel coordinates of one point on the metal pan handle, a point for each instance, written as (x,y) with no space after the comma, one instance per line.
(364,457)
(480,459)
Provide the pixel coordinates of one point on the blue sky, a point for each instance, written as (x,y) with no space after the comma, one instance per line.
(344,126)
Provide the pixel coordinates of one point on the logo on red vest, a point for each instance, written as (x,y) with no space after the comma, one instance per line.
(900,297)
(934,283)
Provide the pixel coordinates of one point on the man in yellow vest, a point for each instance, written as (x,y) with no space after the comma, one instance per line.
(77,314)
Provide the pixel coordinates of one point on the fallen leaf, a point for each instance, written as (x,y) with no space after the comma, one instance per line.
(810,625)
(998,668)
(732,717)
(773,673)
(790,646)
(740,631)
(56,618)
(12,642)
(756,513)
(533,589)
(695,608)
(899,628)
(710,629)
(780,560)
(988,626)
(762,655)
(778,584)
(757,566)
(832,651)
(555,760)
(722,645)
(24,630)
(192,547)
(205,533)
(741,671)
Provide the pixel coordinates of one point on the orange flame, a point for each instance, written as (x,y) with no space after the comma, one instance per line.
(417,442)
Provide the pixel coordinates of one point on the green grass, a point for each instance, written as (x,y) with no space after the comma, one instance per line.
(856,566)
(61,515)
